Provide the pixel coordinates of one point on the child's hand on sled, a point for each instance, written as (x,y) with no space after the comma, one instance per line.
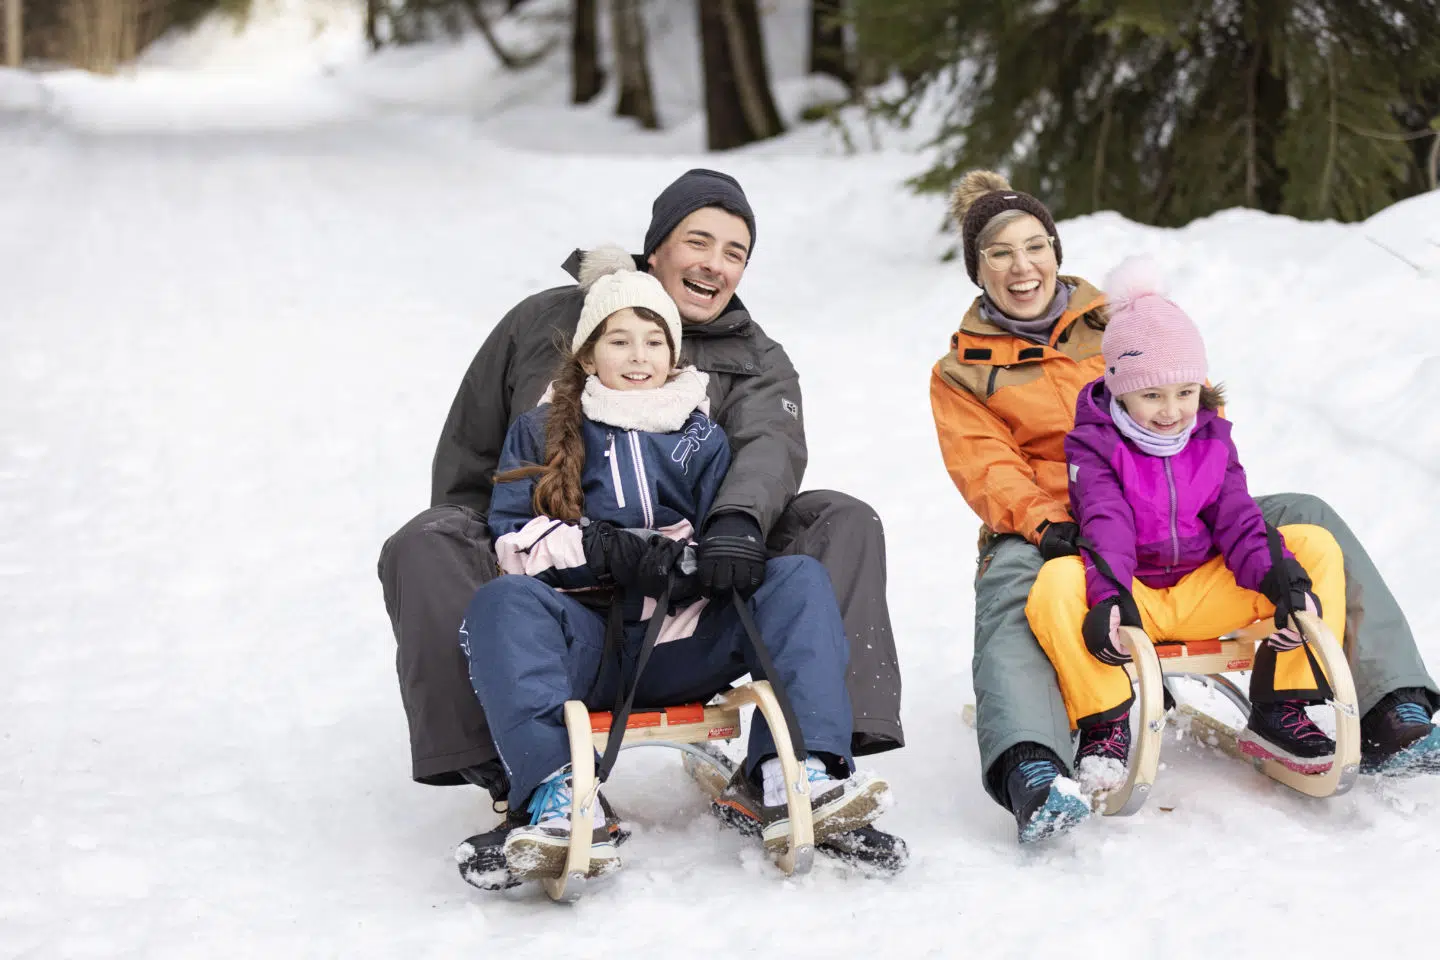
(1287,585)
(1288,636)
(1102,630)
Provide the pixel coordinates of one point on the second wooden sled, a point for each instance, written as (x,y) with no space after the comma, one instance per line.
(1207,661)
(677,727)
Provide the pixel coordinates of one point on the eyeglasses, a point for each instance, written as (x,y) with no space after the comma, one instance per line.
(1037,250)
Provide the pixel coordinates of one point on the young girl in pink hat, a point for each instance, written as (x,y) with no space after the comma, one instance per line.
(1174,542)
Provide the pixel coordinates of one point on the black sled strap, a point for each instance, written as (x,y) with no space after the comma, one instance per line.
(1128,607)
(625,691)
(1277,560)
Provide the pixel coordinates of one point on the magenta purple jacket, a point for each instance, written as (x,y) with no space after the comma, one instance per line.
(1158,518)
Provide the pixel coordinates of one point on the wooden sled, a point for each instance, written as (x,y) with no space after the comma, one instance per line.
(676,727)
(1208,660)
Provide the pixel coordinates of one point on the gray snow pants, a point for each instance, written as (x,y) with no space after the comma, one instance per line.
(431,567)
(1017,698)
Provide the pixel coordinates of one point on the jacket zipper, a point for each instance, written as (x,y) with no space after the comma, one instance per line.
(1174,518)
(615,472)
(646,507)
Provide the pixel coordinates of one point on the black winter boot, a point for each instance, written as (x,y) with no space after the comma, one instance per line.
(1398,737)
(1044,801)
(1282,731)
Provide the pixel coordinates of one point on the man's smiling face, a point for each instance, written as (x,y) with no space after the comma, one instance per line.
(700,264)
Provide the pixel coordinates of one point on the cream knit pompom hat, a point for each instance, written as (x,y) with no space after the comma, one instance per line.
(611,283)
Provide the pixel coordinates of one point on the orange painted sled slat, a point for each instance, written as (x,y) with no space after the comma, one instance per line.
(685,713)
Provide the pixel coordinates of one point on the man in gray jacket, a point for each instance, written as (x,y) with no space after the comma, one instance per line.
(700,238)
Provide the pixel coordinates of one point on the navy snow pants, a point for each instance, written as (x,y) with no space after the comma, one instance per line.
(531,648)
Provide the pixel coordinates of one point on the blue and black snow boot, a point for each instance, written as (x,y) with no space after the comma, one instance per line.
(1398,737)
(1045,802)
(482,859)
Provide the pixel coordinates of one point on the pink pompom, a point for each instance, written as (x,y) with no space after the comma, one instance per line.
(1134,278)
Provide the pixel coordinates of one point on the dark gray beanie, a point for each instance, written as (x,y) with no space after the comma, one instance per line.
(696,189)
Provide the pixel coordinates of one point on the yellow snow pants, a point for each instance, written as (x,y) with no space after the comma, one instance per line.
(1206,604)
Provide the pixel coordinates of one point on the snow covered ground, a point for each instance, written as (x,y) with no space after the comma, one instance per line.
(226,349)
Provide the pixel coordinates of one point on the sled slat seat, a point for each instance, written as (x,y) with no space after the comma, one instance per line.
(687,723)
(1204,656)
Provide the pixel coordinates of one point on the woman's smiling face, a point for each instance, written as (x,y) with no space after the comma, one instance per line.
(1018,269)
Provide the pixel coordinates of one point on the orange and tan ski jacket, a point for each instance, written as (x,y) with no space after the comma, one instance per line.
(1002,408)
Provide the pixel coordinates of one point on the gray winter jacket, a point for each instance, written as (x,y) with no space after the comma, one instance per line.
(754,396)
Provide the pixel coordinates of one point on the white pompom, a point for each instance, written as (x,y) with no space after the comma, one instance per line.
(1134,278)
(601,261)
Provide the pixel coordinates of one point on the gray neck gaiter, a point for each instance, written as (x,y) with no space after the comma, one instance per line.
(1037,330)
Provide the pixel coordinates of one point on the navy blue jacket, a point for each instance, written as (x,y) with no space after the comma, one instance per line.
(633,478)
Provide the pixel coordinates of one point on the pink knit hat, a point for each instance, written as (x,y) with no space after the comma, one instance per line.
(1149,341)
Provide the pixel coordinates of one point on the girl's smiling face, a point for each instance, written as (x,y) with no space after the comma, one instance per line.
(1165,410)
(632,353)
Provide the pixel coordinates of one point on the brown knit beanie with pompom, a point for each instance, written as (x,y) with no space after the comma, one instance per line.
(978,198)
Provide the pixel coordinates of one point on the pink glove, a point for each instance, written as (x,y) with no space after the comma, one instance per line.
(1289,638)
(1116,640)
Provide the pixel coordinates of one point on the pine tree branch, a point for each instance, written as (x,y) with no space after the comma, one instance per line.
(1383,135)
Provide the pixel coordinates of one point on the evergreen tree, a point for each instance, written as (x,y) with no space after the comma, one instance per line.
(1167,110)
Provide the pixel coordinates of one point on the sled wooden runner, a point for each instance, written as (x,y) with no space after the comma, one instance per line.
(691,723)
(1150,664)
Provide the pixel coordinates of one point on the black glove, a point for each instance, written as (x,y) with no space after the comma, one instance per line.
(1288,586)
(657,565)
(731,556)
(612,554)
(1058,539)
(1102,629)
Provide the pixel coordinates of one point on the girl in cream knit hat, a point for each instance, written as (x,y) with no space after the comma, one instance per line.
(598,494)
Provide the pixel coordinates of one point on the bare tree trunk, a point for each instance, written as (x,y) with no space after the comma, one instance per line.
(827,41)
(739,107)
(14,32)
(1435,163)
(372,33)
(632,68)
(100,35)
(586,77)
